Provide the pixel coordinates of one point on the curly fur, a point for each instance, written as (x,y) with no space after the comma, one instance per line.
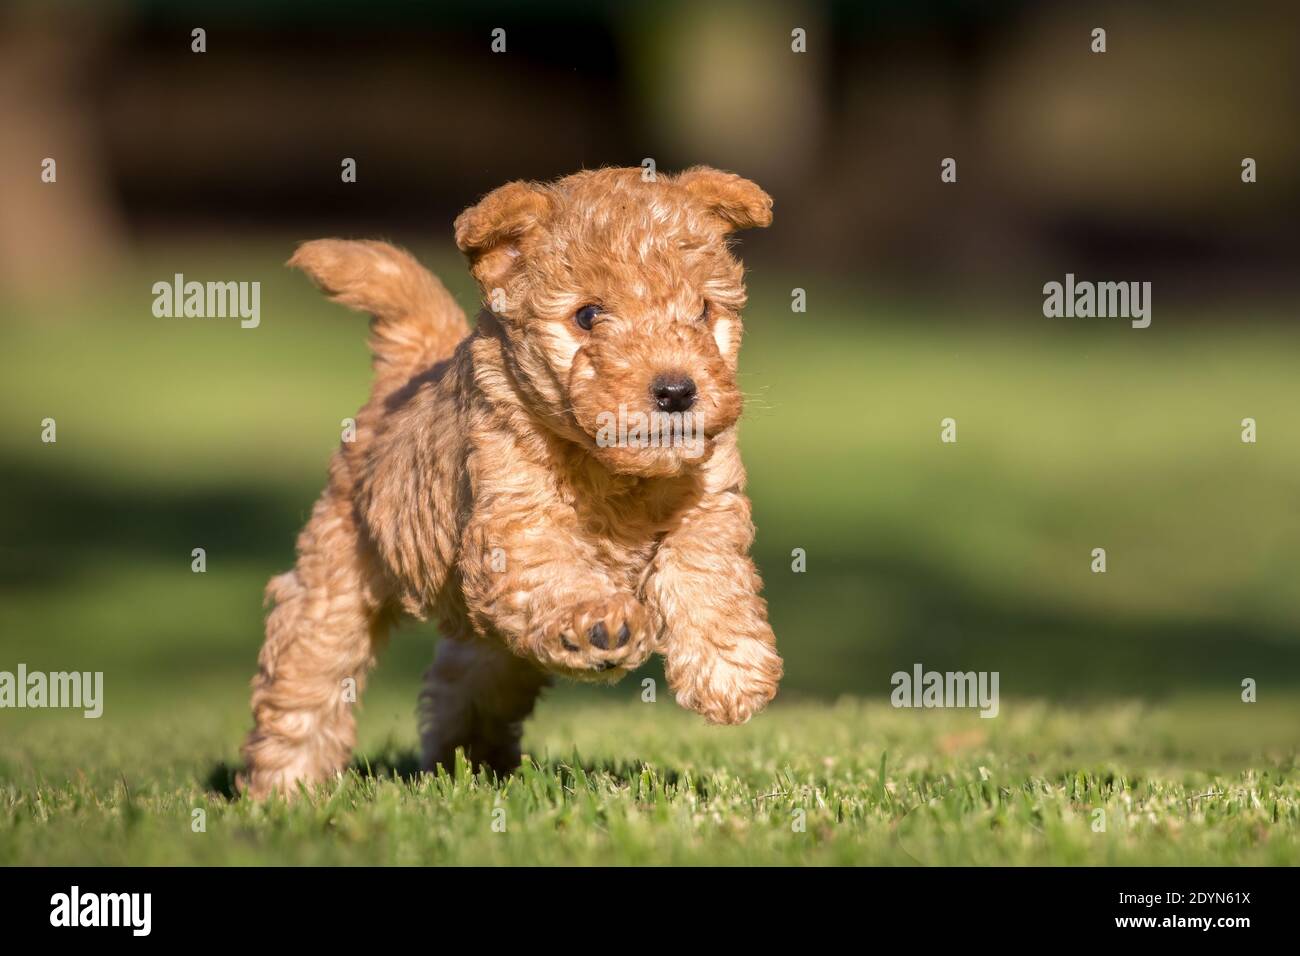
(477,494)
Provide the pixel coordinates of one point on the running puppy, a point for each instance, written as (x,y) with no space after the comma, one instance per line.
(489,489)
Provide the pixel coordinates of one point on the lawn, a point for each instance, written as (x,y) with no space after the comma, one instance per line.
(1121,691)
(621,781)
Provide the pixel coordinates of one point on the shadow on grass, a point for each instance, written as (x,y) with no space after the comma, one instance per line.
(833,646)
(404,766)
(66,521)
(401,765)
(221,780)
(833,641)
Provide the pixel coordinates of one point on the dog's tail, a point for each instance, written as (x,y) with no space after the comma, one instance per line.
(415,323)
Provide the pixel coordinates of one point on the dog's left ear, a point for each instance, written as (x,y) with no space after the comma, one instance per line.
(490,232)
(739,203)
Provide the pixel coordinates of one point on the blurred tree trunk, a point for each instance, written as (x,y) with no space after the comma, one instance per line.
(52,233)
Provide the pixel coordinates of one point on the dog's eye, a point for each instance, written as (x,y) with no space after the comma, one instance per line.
(704,312)
(586,316)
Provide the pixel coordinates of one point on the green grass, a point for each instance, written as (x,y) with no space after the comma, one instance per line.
(1121,690)
(626,782)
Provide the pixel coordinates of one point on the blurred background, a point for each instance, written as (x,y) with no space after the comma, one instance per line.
(924,302)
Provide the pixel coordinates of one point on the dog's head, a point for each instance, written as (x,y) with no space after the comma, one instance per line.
(620,304)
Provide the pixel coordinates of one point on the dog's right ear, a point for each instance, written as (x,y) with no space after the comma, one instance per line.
(491,232)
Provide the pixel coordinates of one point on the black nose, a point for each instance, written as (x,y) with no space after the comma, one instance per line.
(673,392)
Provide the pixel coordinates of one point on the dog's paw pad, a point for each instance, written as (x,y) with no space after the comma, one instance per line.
(602,638)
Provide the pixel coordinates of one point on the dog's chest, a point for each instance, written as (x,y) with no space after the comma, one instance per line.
(625,529)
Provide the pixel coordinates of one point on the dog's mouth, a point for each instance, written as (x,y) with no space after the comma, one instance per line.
(650,427)
(650,462)
(647,443)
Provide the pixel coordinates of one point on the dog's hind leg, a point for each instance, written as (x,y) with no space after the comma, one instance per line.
(476,696)
(327,623)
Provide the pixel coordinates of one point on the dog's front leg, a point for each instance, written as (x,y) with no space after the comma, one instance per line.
(538,582)
(703,590)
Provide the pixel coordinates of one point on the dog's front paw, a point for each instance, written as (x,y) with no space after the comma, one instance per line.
(727,685)
(601,639)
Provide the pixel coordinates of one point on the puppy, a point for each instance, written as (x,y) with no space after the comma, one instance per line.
(488,488)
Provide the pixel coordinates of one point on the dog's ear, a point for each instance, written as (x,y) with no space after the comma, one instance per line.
(490,232)
(739,203)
